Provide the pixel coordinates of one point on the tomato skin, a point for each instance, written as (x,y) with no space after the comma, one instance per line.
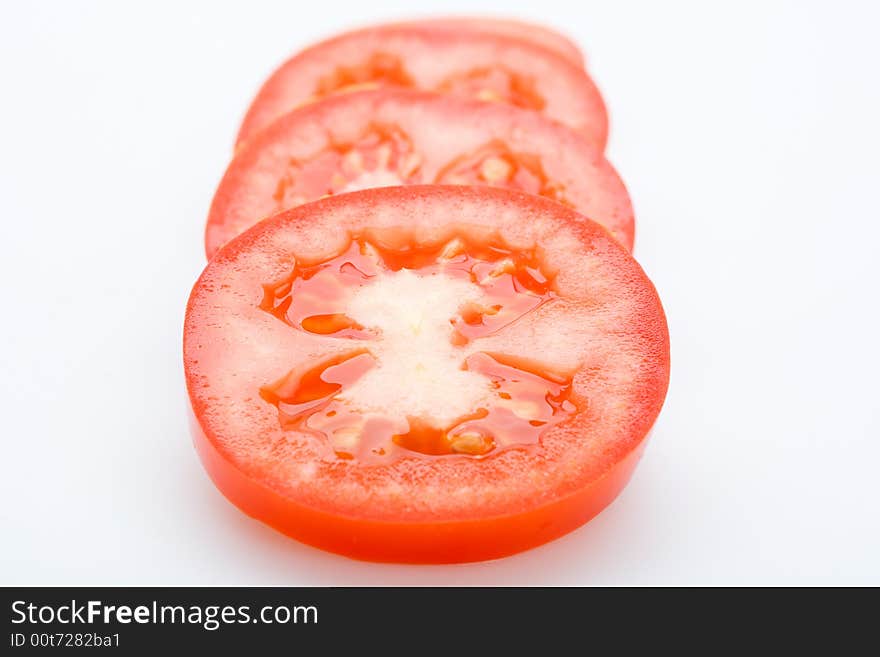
(537,34)
(413,542)
(427,59)
(512,501)
(243,196)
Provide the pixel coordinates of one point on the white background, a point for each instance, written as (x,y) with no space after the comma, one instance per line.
(748,136)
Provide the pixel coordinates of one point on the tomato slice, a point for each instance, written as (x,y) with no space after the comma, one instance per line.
(392,137)
(539,35)
(424,373)
(462,63)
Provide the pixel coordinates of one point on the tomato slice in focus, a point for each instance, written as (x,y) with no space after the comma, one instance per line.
(463,63)
(394,137)
(424,373)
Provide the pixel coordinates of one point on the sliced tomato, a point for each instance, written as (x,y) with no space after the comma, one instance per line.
(424,373)
(394,137)
(539,35)
(463,63)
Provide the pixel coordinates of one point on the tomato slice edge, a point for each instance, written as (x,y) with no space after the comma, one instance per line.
(273,98)
(536,33)
(414,542)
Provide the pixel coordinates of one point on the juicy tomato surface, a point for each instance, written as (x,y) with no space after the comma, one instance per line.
(424,373)
(487,67)
(539,35)
(395,137)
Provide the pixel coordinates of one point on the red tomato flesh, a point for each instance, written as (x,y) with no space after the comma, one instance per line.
(424,373)
(463,63)
(389,137)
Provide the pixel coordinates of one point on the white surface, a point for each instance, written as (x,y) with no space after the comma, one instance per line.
(749,139)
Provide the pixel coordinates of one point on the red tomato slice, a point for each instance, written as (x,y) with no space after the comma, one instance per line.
(486,67)
(424,373)
(393,137)
(539,35)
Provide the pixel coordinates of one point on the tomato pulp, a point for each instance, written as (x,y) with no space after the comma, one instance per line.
(488,67)
(424,373)
(394,137)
